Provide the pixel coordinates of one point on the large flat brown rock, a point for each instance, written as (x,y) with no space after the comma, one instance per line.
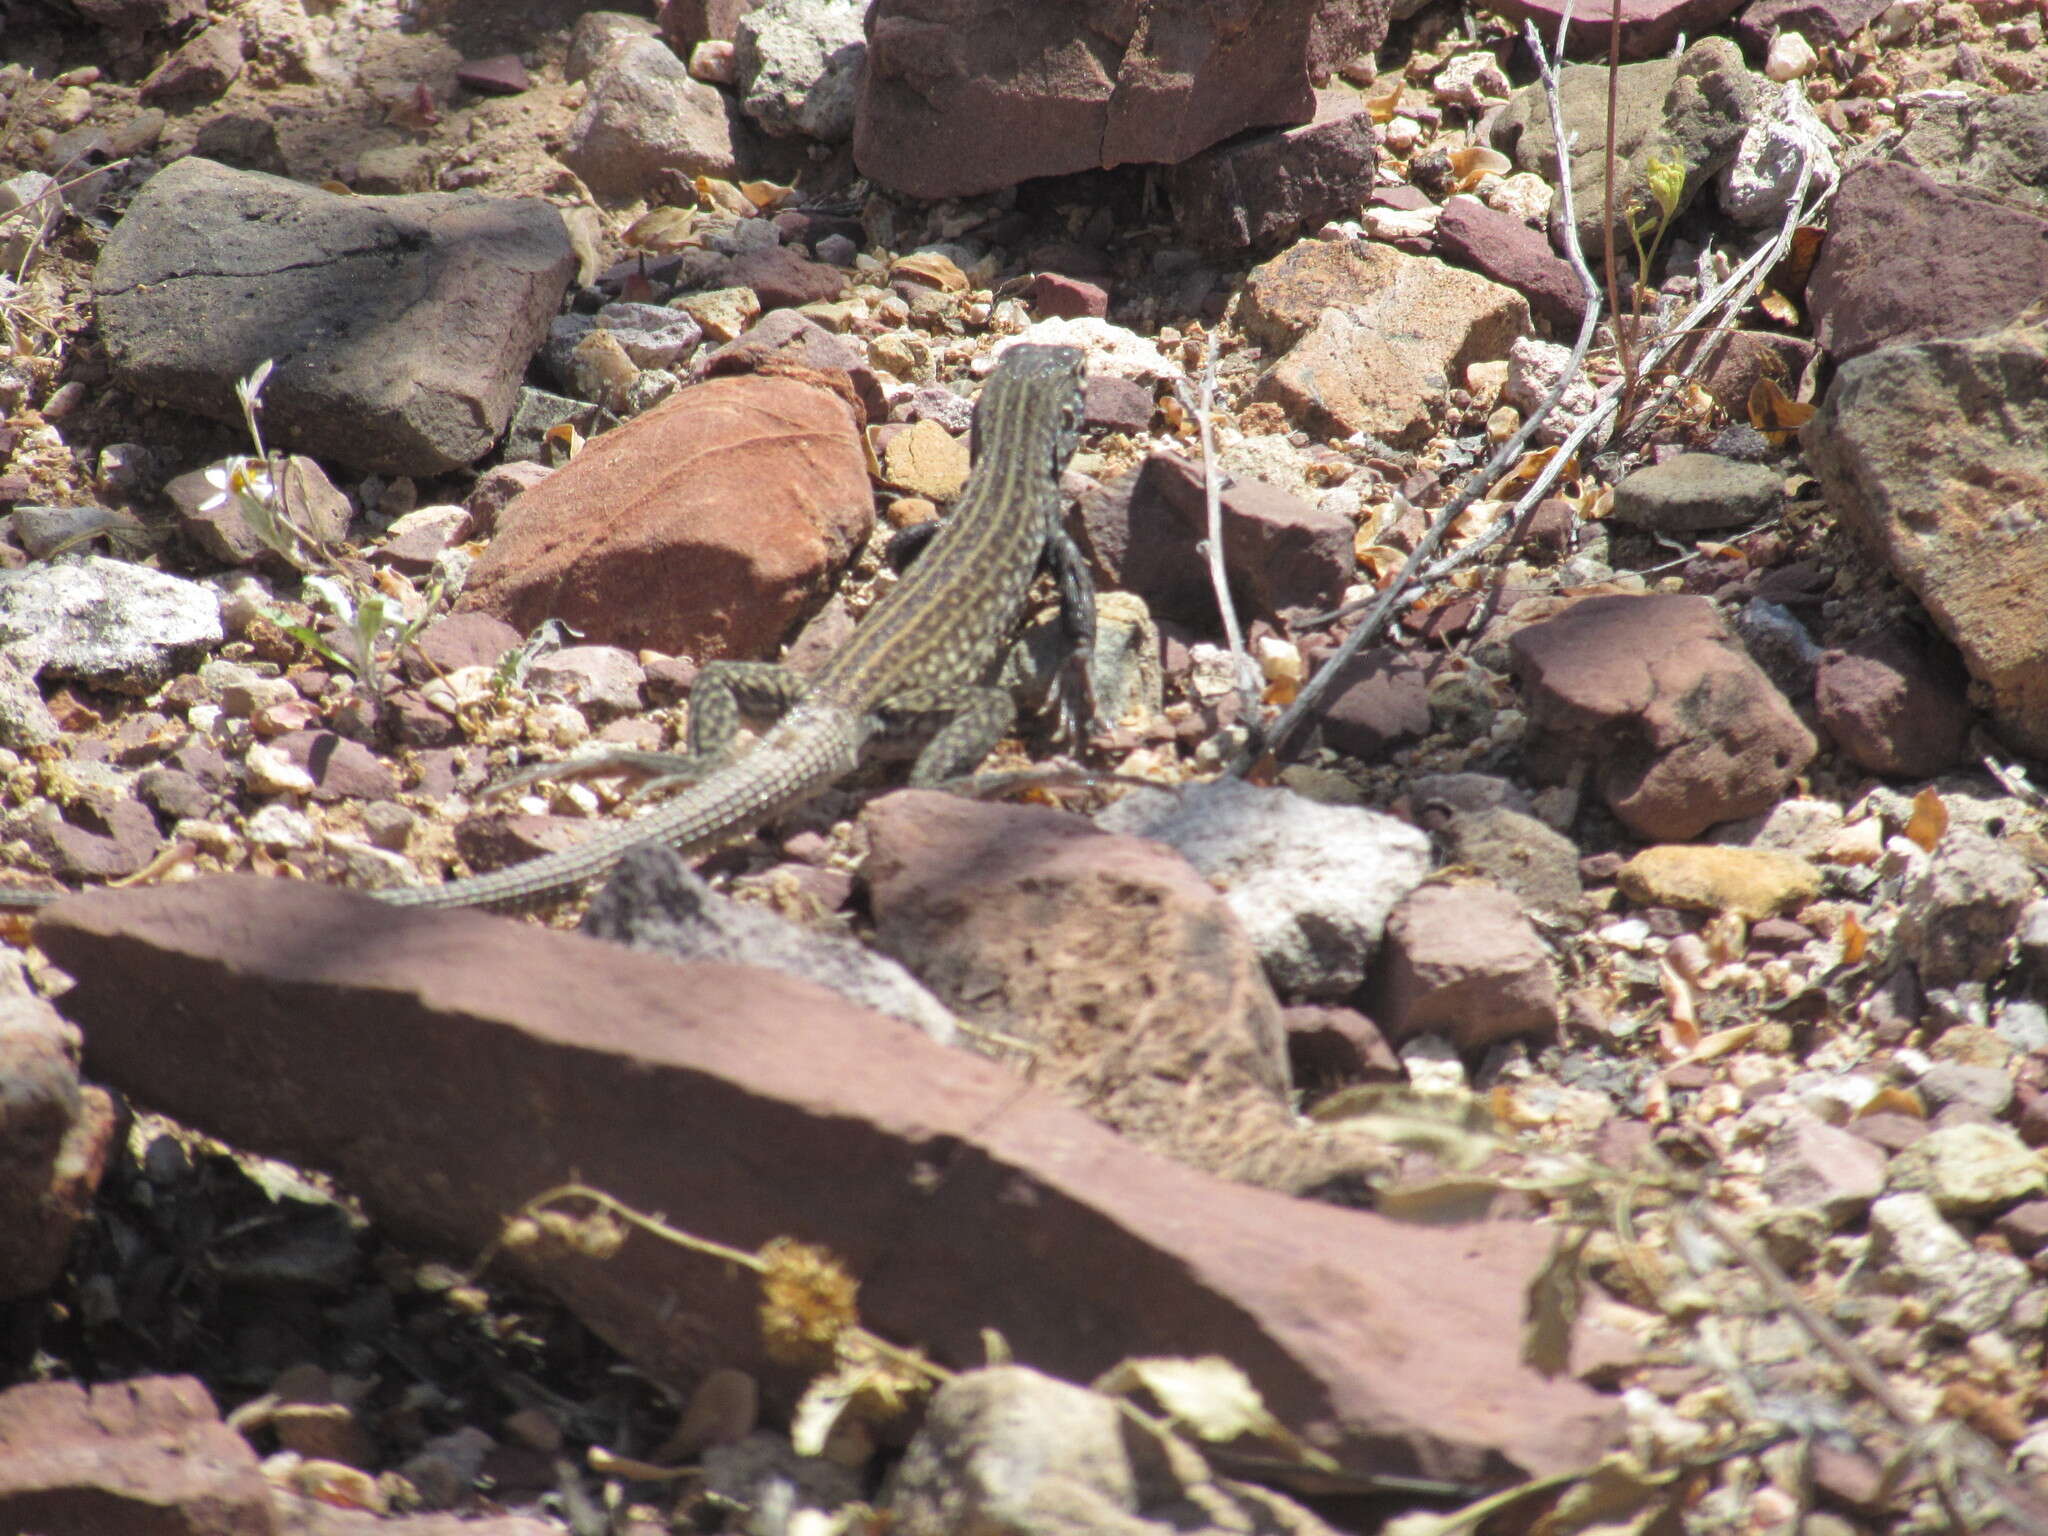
(447,1066)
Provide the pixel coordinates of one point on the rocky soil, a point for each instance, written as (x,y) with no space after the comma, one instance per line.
(1543,990)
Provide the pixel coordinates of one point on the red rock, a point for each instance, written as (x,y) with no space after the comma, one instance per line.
(496,487)
(502,74)
(961,1198)
(709,525)
(782,279)
(1500,246)
(136,1458)
(1329,1046)
(2025,1226)
(99,840)
(1279,551)
(1894,705)
(783,341)
(1735,360)
(1463,961)
(1052,296)
(1907,259)
(685,23)
(1379,701)
(1257,190)
(1818,21)
(200,70)
(1136,985)
(964,96)
(215,522)
(458,640)
(1119,405)
(1948,494)
(1377,364)
(647,121)
(1808,1162)
(1681,728)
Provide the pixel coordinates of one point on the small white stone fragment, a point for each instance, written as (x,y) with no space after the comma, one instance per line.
(280,828)
(1790,58)
(272,773)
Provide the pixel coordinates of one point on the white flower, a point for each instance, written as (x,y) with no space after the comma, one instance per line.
(237,477)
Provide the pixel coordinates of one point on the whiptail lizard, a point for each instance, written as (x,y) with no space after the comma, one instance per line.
(919,665)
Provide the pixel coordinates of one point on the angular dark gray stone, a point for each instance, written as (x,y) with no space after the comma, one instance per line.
(399,326)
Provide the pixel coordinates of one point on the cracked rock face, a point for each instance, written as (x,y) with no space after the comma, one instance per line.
(965,96)
(399,327)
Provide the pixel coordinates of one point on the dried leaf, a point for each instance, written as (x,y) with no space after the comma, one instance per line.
(722,195)
(932,268)
(1774,413)
(1210,1396)
(1551,1306)
(563,442)
(1855,939)
(1779,308)
(818,1411)
(1619,1495)
(1381,562)
(1722,1041)
(1680,1032)
(766,194)
(1790,274)
(1439,1202)
(1473,163)
(661,229)
(995,1349)
(1383,101)
(1894,1101)
(1928,821)
(1727,937)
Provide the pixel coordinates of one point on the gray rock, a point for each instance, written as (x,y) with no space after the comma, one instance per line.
(647,120)
(1696,491)
(1955,1082)
(1695,108)
(1757,185)
(25,720)
(1970,1168)
(2022,1024)
(602,680)
(105,622)
(29,206)
(653,335)
(1960,906)
(1313,884)
(1932,482)
(799,64)
(1005,1449)
(1808,1162)
(656,903)
(399,326)
(1996,144)
(1915,1248)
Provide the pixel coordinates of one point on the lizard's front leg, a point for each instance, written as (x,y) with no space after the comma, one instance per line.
(725,693)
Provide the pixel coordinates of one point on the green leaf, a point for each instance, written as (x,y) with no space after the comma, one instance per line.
(1667,182)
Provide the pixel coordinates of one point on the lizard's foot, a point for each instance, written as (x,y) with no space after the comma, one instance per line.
(664,771)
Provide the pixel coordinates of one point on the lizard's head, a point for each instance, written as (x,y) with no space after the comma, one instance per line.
(1034,379)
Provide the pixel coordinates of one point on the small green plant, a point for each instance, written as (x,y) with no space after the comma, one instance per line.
(369,630)
(1667,185)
